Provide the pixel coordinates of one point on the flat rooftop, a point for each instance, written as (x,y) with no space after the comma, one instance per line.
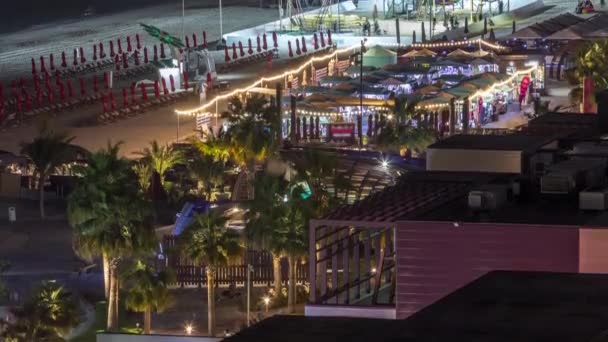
(499,306)
(513,142)
(443,196)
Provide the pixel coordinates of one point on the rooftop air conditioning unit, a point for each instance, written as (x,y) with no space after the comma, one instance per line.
(487,199)
(593,199)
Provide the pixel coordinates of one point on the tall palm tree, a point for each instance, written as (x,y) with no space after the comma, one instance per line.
(149,291)
(47,316)
(209,243)
(161,158)
(265,214)
(47,151)
(109,218)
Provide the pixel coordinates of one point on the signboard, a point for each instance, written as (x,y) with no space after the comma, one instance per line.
(341,131)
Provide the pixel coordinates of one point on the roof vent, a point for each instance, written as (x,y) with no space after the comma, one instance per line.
(593,199)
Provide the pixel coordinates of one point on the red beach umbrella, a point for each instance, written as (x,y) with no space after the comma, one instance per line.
(304,49)
(42,67)
(70,89)
(172,83)
(95,84)
(83,88)
(186,81)
(125,99)
(264,43)
(82,58)
(106,81)
(209,81)
(18,103)
(94,52)
(117,62)
(194,43)
(51,94)
(138,40)
(64,63)
(61,91)
(102,54)
(234,55)
(38,97)
(259,48)
(187,42)
(104,102)
(133,96)
(112,53)
(129,46)
(144,93)
(162,51)
(165,90)
(328,37)
(75,61)
(28,102)
(274,40)
(241,49)
(315,41)
(57,76)
(112,101)
(52,61)
(125,61)
(155,53)
(156,89)
(136,57)
(322,39)
(249,47)
(145,55)
(205,39)
(298,51)
(290,51)
(226,56)
(33,66)
(119,47)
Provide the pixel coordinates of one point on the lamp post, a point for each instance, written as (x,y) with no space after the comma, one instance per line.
(183,19)
(249,270)
(360,116)
(221,23)
(266,302)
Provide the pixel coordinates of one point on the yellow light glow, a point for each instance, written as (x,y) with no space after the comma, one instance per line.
(266,79)
(459,43)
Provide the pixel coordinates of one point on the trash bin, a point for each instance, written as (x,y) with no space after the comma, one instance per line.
(12,214)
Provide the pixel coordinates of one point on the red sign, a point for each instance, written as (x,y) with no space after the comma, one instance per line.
(341,130)
(523,88)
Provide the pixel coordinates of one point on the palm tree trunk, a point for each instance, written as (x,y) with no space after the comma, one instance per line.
(147,320)
(111,319)
(41,179)
(291,288)
(276,270)
(106,274)
(211,301)
(116,297)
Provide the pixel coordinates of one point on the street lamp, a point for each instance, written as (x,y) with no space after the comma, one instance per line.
(188,329)
(266,300)
(249,271)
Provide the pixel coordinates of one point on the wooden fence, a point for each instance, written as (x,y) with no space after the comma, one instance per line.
(189,274)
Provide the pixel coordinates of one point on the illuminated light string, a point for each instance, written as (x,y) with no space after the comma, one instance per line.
(482,93)
(458,43)
(265,79)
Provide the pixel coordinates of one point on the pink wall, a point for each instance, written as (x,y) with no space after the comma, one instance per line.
(436,258)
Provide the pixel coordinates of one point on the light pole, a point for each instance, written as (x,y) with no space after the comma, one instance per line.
(249,270)
(221,23)
(183,19)
(360,116)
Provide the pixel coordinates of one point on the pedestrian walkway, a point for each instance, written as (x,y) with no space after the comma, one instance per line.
(513,118)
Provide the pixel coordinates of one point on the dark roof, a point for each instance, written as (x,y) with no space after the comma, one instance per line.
(493,142)
(517,306)
(415,192)
(563,125)
(501,306)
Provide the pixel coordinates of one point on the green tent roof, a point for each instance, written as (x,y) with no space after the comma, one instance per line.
(379,51)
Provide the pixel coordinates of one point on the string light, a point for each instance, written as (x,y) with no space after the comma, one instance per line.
(484,92)
(266,79)
(459,43)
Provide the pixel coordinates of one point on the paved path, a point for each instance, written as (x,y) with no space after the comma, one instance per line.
(514,117)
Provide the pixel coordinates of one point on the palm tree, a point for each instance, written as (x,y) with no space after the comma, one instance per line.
(109,218)
(591,68)
(209,243)
(161,158)
(264,216)
(208,172)
(47,316)
(47,151)
(149,291)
